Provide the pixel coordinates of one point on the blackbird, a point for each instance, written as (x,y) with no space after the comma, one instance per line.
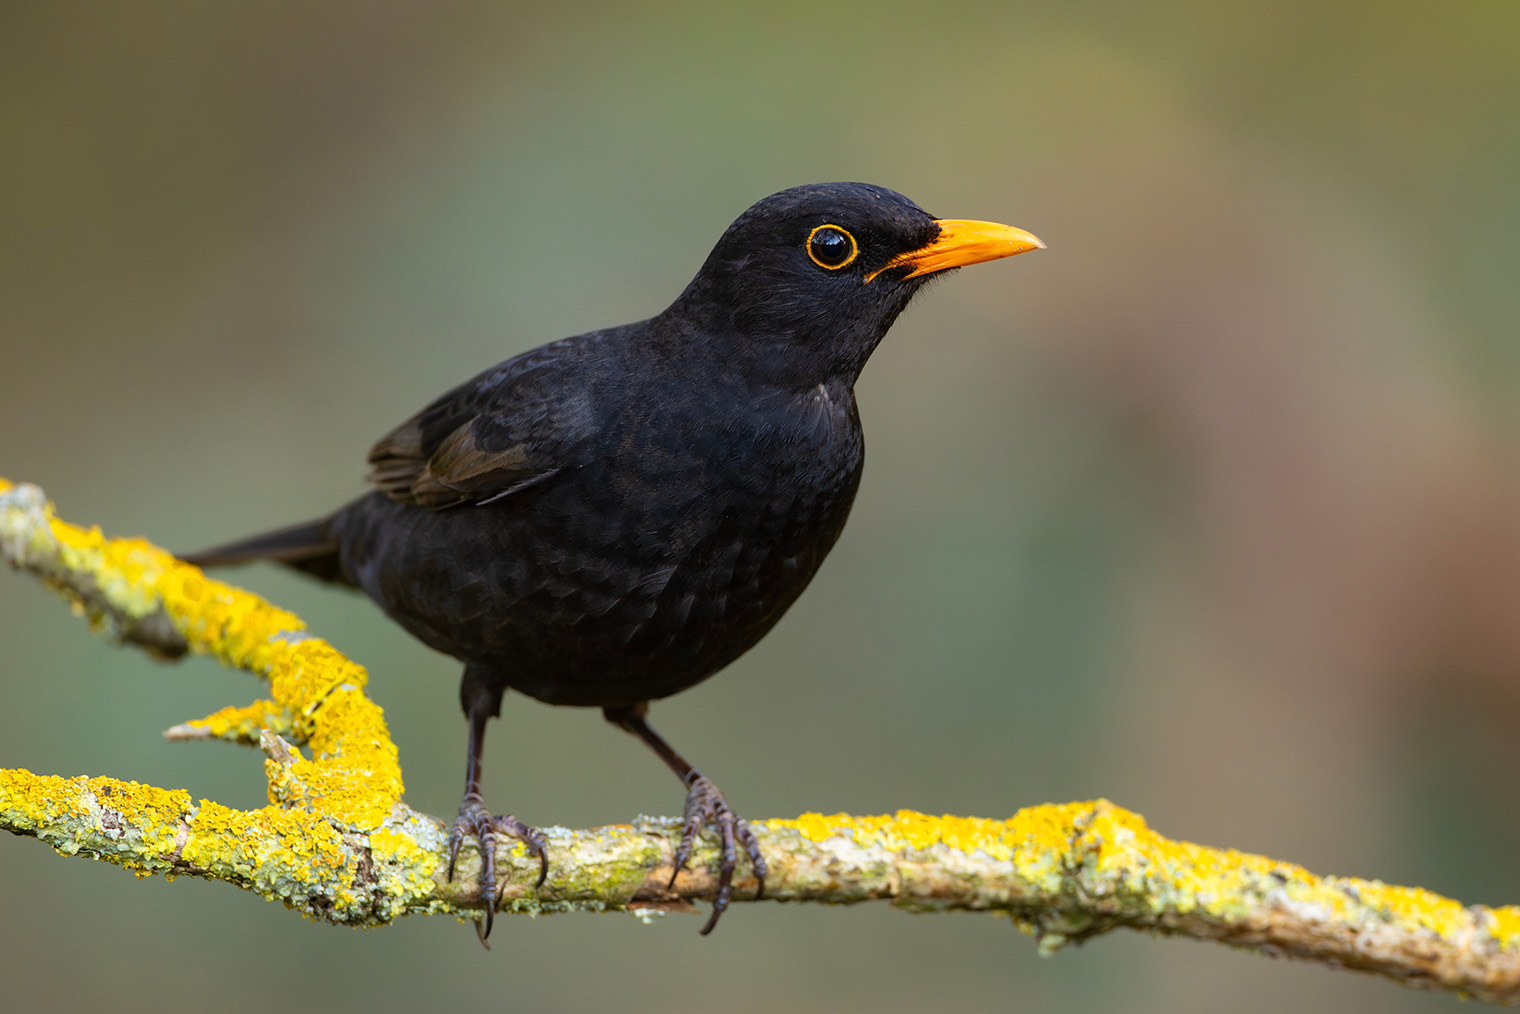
(611,518)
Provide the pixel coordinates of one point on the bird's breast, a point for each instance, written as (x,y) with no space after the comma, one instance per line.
(642,569)
(694,538)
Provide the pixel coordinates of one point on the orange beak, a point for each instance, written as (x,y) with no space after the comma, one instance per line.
(962,241)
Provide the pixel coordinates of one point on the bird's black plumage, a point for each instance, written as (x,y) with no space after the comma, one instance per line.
(611,518)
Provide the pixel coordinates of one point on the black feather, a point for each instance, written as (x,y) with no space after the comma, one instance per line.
(308,547)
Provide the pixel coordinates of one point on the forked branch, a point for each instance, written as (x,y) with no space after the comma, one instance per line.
(337,842)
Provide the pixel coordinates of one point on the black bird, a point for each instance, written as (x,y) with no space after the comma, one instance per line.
(609,519)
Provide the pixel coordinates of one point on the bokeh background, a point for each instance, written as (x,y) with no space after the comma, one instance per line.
(1212,509)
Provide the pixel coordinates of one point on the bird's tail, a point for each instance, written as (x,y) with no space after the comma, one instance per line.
(309,547)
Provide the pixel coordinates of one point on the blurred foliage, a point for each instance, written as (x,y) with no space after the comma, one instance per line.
(1210,509)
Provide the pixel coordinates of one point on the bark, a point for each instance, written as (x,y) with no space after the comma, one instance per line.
(338,842)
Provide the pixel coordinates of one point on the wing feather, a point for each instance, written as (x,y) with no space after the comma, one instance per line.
(505,431)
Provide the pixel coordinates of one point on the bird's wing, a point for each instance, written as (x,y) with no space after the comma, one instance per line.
(502,432)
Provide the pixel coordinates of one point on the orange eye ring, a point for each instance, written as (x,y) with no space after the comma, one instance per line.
(818,246)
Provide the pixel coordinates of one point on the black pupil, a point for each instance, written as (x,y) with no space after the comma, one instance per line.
(831,247)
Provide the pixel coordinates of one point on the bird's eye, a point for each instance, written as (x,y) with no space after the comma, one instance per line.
(831,247)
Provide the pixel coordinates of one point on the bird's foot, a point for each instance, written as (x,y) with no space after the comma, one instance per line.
(705,806)
(475,821)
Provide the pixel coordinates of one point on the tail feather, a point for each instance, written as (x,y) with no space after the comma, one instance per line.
(309,547)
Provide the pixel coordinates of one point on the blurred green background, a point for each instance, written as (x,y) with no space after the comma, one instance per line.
(1212,509)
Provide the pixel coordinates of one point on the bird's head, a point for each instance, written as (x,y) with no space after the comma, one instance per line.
(802,287)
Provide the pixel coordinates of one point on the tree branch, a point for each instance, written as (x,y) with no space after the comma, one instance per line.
(338,843)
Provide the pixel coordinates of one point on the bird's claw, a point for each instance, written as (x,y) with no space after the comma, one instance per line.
(475,821)
(706,806)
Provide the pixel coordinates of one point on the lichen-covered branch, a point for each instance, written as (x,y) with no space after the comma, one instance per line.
(338,843)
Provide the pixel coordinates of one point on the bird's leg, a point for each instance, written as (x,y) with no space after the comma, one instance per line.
(704,805)
(481,698)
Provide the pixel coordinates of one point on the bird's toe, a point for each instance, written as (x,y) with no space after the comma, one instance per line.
(477,822)
(706,807)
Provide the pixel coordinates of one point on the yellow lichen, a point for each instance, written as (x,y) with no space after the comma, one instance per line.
(352,780)
(241,724)
(337,842)
(1410,905)
(1035,829)
(1504,923)
(1121,851)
